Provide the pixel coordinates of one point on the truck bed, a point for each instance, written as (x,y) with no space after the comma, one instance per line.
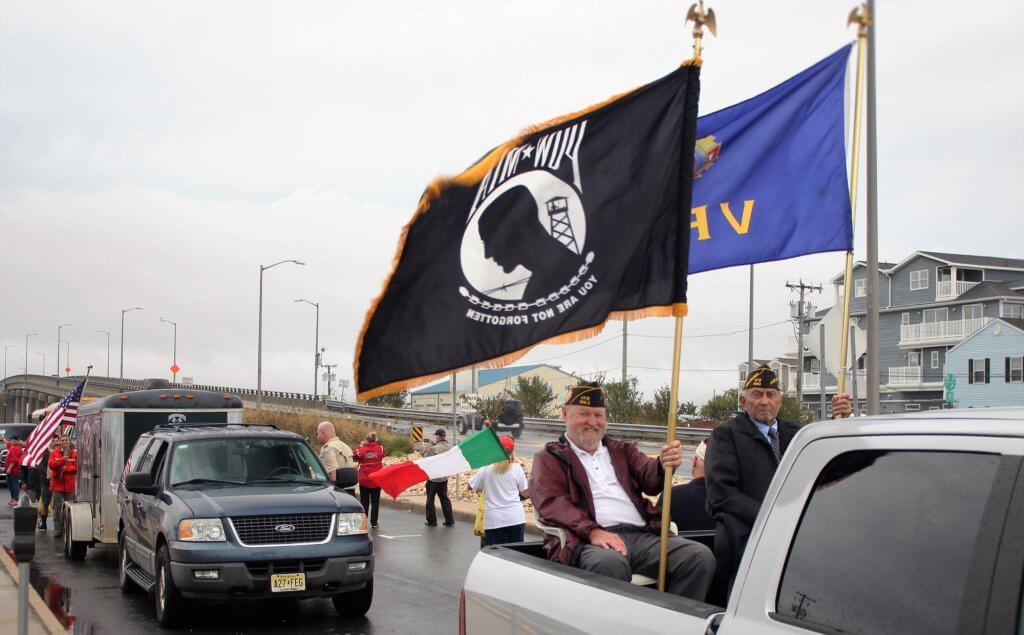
(514,569)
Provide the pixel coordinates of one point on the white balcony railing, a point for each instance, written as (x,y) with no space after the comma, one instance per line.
(812,381)
(950,289)
(904,375)
(940,332)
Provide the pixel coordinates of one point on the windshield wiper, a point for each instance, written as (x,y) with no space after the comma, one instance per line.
(206,481)
(303,481)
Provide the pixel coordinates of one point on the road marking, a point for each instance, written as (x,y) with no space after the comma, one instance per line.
(402,536)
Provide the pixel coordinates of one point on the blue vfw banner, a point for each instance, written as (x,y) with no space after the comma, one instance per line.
(770,174)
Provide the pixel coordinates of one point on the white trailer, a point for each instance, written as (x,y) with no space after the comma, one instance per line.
(105,435)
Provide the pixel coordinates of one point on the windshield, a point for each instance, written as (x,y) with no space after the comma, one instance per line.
(244,460)
(16,431)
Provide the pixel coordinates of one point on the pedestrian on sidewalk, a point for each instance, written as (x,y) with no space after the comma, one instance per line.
(438,487)
(370,456)
(503,486)
(12,465)
(64,463)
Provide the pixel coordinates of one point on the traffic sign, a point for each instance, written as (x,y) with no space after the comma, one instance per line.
(417,433)
(67,370)
(175,368)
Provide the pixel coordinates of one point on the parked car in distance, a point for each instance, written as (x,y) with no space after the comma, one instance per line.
(225,511)
(890,524)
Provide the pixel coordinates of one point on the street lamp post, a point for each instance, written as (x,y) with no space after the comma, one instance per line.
(174,373)
(108,350)
(123,311)
(67,358)
(316,344)
(58,349)
(26,351)
(259,343)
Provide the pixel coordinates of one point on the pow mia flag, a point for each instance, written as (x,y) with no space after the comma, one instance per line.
(544,239)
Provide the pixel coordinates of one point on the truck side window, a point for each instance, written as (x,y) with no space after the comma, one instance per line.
(136,455)
(886,540)
(151,456)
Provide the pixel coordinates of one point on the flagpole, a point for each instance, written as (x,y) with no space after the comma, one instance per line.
(860,17)
(700,18)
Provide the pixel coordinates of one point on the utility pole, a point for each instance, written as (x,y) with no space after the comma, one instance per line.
(873,351)
(329,376)
(625,332)
(821,372)
(316,344)
(803,288)
(750,326)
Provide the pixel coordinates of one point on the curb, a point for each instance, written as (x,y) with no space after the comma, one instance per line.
(49,621)
(458,514)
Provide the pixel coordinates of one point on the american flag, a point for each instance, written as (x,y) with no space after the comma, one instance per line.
(66,413)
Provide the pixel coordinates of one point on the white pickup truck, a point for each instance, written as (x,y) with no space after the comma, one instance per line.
(898,524)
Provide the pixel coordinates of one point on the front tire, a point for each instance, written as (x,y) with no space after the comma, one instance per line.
(73,549)
(462,426)
(126,584)
(354,603)
(168,601)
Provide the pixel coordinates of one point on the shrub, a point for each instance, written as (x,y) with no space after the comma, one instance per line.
(351,431)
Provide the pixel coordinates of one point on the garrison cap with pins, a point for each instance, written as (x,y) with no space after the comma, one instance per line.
(762,377)
(586,393)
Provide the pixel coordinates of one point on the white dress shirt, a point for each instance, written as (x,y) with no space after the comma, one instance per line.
(612,505)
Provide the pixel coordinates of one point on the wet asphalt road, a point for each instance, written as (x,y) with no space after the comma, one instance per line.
(419,574)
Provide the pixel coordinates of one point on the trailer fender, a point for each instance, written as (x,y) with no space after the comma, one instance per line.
(80,515)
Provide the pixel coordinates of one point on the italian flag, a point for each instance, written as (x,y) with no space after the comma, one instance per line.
(483,448)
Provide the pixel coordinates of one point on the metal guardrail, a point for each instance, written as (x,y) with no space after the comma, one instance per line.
(625,430)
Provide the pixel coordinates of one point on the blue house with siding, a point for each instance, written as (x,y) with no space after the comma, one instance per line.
(989,366)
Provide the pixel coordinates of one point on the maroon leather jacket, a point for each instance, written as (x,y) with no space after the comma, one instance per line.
(561,494)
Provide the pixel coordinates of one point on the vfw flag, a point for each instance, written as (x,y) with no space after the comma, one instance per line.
(483,448)
(542,240)
(770,173)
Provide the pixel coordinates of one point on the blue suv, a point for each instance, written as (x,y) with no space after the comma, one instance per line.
(224,511)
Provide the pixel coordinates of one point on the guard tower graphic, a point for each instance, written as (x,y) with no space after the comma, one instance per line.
(561,227)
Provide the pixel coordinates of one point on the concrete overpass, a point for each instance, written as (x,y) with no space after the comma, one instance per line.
(24,394)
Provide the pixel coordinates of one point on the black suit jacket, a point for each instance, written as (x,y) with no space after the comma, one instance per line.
(739,466)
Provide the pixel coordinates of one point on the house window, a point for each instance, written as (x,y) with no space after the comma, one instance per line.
(978,370)
(1013,310)
(743,375)
(860,288)
(905,319)
(935,359)
(914,358)
(974,311)
(1015,370)
(912,407)
(935,315)
(919,280)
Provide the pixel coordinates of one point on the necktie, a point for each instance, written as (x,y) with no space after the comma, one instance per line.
(773,436)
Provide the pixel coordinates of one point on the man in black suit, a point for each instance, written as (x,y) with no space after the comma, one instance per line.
(742,457)
(689,501)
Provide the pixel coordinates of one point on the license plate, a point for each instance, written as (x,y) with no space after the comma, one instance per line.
(284,582)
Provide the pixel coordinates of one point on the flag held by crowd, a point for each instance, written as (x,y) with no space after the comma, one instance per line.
(65,414)
(771,173)
(542,240)
(483,448)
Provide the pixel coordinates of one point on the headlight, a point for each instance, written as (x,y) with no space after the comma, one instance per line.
(349,524)
(201,530)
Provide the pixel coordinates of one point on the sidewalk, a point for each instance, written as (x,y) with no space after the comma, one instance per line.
(463,511)
(40,620)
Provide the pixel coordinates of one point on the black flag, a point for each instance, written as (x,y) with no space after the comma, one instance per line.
(543,240)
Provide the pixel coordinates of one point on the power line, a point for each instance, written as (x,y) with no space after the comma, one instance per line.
(721,334)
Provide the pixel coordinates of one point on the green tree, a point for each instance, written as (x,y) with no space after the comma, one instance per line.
(390,400)
(622,400)
(534,394)
(688,408)
(490,407)
(721,406)
(792,412)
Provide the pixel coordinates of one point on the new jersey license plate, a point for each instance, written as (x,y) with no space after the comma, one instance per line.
(284,582)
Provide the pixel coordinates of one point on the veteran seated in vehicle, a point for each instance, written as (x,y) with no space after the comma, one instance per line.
(593,487)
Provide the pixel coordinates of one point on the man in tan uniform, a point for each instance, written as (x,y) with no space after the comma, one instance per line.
(335,453)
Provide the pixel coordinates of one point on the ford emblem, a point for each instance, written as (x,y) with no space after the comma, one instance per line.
(284,529)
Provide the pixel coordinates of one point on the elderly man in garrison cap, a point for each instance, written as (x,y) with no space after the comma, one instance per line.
(741,459)
(593,487)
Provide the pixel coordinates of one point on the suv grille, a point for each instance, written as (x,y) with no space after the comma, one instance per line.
(261,530)
(261,569)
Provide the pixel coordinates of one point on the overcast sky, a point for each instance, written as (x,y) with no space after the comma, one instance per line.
(155,154)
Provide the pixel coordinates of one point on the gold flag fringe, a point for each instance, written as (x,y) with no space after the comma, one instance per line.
(471,176)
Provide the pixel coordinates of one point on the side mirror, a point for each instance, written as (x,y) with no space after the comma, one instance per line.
(140,483)
(347,477)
